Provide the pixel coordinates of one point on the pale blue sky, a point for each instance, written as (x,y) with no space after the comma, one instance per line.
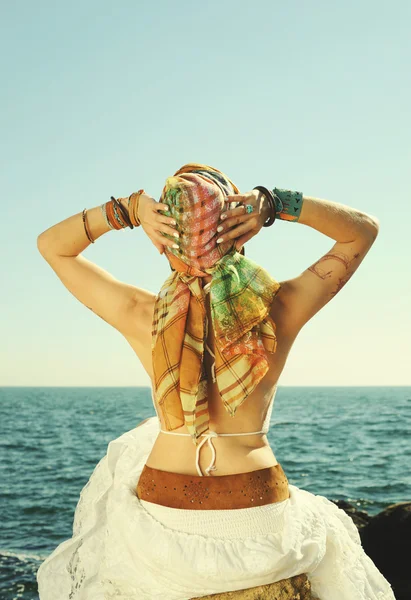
(103,98)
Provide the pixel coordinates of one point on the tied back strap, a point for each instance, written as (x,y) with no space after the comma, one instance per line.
(208,438)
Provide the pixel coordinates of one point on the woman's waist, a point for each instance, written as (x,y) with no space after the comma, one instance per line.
(231,456)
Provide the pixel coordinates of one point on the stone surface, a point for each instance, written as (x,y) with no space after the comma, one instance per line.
(387,540)
(360,517)
(294,588)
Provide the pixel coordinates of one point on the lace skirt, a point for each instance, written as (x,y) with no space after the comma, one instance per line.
(125,548)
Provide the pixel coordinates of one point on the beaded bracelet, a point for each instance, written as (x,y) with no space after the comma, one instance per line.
(123,212)
(113,215)
(104,211)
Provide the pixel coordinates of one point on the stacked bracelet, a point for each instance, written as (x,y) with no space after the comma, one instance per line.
(119,217)
(116,215)
(133,203)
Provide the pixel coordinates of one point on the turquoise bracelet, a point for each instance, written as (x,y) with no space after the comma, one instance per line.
(288,204)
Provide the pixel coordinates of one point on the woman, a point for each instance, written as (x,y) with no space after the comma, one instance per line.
(193,501)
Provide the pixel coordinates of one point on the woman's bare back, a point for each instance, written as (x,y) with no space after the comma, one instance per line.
(297,301)
(236,454)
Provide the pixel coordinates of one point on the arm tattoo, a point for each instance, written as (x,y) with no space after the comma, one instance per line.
(325,274)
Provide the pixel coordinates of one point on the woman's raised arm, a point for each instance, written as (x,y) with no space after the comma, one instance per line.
(303,296)
(354,232)
(121,305)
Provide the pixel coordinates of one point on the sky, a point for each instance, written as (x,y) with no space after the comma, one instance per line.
(103,98)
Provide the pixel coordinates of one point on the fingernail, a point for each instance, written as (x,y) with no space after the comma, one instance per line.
(220,228)
(175,245)
(219,240)
(223,216)
(172,222)
(176,234)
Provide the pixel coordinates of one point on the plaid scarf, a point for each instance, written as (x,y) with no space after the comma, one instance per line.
(241,293)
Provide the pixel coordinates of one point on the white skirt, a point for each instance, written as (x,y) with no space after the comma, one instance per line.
(125,548)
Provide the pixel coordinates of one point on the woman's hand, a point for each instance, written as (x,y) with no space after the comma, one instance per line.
(237,224)
(154,223)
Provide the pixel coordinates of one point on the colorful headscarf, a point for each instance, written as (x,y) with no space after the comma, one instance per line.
(241,294)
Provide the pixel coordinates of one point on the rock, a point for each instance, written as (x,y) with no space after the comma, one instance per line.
(387,540)
(360,517)
(293,588)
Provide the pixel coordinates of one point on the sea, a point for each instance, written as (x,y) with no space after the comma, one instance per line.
(351,443)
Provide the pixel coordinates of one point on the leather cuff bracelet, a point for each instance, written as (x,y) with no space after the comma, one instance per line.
(289,204)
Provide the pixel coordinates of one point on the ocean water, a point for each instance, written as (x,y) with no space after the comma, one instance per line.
(349,443)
